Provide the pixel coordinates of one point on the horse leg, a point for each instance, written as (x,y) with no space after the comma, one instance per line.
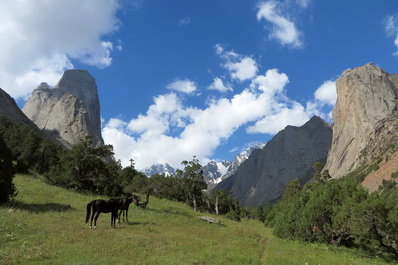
(93,212)
(95,218)
(113,218)
(127,215)
(88,212)
(118,216)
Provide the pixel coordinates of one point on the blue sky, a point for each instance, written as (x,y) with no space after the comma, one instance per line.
(179,78)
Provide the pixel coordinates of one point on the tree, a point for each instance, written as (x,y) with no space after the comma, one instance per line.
(193,180)
(223,203)
(83,168)
(7,188)
(31,153)
(171,188)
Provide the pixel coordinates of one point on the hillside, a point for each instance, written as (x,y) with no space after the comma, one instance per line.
(289,155)
(375,179)
(45,225)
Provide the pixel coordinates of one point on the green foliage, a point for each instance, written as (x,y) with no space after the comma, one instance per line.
(83,168)
(339,212)
(233,215)
(7,188)
(30,152)
(168,187)
(394,175)
(45,225)
(193,182)
(222,203)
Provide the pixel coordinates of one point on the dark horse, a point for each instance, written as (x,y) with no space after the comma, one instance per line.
(143,205)
(124,203)
(96,207)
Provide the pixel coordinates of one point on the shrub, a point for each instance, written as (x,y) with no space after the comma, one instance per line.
(7,189)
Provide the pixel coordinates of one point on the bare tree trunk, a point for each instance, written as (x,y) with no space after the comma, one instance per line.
(193,198)
(216,205)
(195,206)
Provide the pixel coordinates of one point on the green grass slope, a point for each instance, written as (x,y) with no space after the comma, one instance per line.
(46,225)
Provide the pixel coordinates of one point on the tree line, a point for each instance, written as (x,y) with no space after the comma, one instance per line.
(87,168)
(339,212)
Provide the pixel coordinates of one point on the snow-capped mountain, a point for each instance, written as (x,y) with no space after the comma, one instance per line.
(214,171)
(160,169)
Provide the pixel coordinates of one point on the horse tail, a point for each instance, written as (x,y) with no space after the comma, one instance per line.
(89,206)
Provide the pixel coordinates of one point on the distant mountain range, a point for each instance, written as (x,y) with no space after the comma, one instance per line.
(364,132)
(214,171)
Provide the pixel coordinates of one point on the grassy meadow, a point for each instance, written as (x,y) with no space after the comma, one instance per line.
(46,225)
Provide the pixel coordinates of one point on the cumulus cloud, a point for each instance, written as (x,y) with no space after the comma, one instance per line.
(283,29)
(40,39)
(240,67)
(283,114)
(326,93)
(391,28)
(242,70)
(219,85)
(171,131)
(182,85)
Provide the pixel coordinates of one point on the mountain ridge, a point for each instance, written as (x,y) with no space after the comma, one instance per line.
(290,154)
(68,112)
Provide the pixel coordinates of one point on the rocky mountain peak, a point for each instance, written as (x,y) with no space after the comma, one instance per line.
(290,154)
(364,118)
(10,110)
(79,83)
(69,111)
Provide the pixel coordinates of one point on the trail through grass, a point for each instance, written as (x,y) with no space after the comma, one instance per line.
(46,225)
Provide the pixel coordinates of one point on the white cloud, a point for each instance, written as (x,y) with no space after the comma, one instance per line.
(38,40)
(240,67)
(219,85)
(283,30)
(391,28)
(326,93)
(186,86)
(201,131)
(171,131)
(116,123)
(272,81)
(242,70)
(284,115)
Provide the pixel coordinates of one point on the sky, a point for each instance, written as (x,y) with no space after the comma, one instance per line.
(208,78)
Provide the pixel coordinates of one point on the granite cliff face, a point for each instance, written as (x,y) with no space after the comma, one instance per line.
(69,111)
(288,155)
(10,110)
(365,118)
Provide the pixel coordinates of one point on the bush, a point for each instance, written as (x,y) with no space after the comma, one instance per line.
(340,212)
(233,215)
(7,188)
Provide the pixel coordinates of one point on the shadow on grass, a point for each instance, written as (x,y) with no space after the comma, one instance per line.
(39,208)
